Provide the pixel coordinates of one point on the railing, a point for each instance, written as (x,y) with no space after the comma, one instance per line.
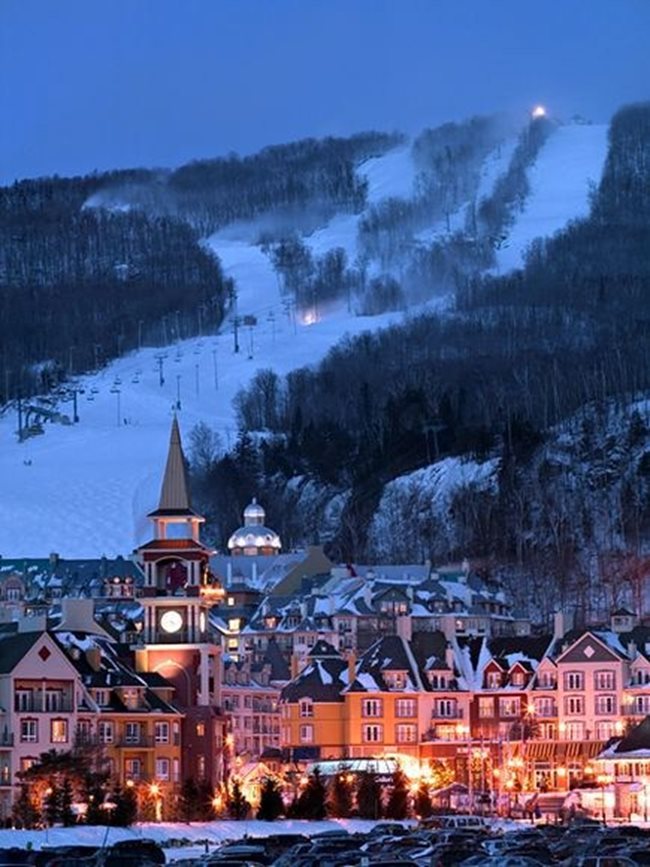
(36,705)
(134,742)
(451,713)
(633,709)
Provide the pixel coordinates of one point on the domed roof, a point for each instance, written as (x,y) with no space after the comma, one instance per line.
(254,536)
(254,513)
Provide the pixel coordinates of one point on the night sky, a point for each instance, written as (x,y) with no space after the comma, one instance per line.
(96,84)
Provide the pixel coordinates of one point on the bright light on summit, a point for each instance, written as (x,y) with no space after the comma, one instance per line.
(539,111)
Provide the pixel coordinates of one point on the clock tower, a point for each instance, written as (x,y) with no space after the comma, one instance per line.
(176,639)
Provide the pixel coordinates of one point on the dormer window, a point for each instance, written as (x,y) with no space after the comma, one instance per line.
(102,697)
(306,708)
(395,679)
(130,698)
(546,680)
(438,681)
(493,679)
(517,678)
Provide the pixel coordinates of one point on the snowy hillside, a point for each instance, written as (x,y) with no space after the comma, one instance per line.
(569,164)
(83,489)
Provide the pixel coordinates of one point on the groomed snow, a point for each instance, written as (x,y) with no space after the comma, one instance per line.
(570,162)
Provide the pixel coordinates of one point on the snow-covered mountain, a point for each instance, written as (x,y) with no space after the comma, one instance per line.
(84,489)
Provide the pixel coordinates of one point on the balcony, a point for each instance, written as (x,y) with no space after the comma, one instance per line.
(132,742)
(634,709)
(447,713)
(6,739)
(36,705)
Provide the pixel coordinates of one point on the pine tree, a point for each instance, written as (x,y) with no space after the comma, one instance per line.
(205,796)
(52,804)
(25,812)
(369,797)
(238,806)
(340,800)
(312,803)
(188,800)
(126,806)
(397,806)
(271,804)
(422,804)
(67,816)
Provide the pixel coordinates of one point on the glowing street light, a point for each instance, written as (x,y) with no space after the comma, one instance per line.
(538,111)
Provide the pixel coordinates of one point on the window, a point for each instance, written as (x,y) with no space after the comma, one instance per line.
(642,704)
(162,769)
(574,731)
(28,731)
(485,707)
(24,700)
(161,730)
(395,679)
(27,762)
(574,680)
(406,733)
(105,732)
(176,733)
(546,680)
(132,769)
(447,707)
(604,680)
(372,707)
(545,706)
(509,707)
(200,767)
(176,770)
(493,679)
(132,733)
(518,678)
(306,708)
(574,705)
(306,734)
(605,729)
(372,734)
(438,681)
(102,697)
(200,730)
(606,704)
(547,731)
(84,731)
(130,698)
(53,700)
(59,731)
(406,707)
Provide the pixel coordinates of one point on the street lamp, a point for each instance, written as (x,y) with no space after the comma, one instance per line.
(154,791)
(603,781)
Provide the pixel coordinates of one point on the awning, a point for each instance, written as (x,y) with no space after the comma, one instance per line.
(540,750)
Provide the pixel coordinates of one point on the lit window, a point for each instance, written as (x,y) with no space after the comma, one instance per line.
(306,734)
(406,734)
(200,730)
(509,707)
(485,707)
(133,769)
(59,731)
(306,708)
(200,767)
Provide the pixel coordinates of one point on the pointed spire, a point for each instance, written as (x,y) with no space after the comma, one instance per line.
(175,495)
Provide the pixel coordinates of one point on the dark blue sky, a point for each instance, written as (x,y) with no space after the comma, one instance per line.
(94,84)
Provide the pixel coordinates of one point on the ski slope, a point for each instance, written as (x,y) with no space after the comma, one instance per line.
(83,490)
(570,162)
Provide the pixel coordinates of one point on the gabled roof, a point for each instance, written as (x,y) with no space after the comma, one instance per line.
(637,739)
(322,680)
(391,653)
(14,646)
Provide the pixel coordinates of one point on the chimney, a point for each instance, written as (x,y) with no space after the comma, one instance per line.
(404,626)
(352,667)
(78,615)
(94,658)
(449,656)
(562,623)
(35,623)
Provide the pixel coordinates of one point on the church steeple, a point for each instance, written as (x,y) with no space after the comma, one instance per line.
(175,509)
(175,494)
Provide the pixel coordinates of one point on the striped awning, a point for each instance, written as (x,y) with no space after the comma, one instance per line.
(540,750)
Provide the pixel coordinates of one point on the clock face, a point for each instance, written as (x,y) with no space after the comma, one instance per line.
(171,621)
